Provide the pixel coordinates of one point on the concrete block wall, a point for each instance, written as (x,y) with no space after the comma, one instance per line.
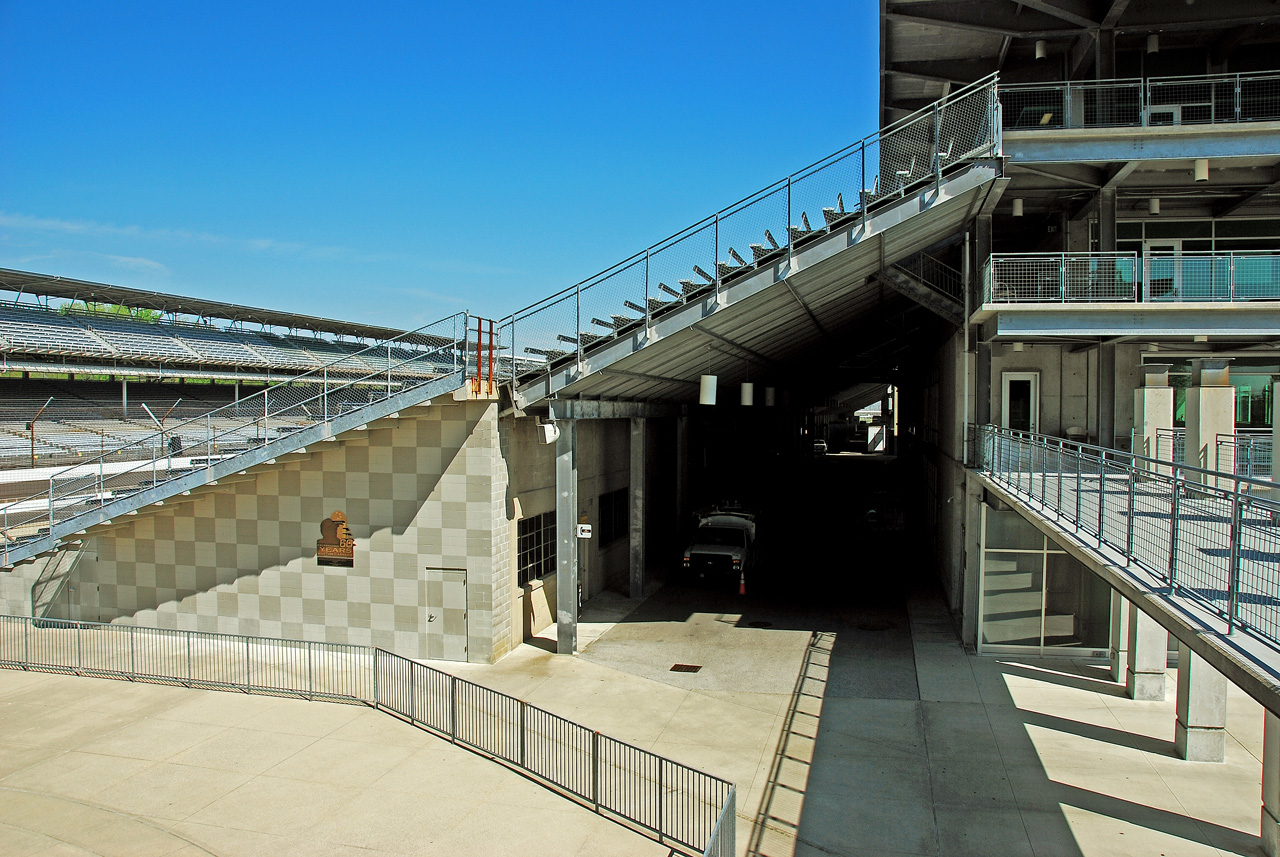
(425,499)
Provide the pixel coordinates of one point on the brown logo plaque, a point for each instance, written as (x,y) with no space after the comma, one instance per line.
(336,546)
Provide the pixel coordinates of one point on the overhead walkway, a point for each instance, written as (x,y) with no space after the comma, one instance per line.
(181,457)
(1197,550)
(771,277)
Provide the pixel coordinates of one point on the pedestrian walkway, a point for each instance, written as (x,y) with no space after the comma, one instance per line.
(102,767)
(891,739)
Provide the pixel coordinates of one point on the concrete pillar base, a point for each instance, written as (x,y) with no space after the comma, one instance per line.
(1200,733)
(1270,831)
(1270,834)
(1119,651)
(1148,657)
(1145,687)
(1200,743)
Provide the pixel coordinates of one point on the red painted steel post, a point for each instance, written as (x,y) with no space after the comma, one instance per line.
(490,387)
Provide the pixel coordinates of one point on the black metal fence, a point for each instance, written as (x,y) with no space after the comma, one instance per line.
(682,806)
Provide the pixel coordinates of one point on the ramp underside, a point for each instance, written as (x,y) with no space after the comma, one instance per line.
(772,319)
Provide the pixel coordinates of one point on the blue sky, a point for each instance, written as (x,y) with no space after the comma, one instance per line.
(396,162)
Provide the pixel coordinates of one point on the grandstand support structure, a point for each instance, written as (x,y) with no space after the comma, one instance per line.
(317,406)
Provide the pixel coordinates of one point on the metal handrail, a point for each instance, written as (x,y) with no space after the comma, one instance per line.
(678,804)
(1207,534)
(759,229)
(1127,277)
(1138,102)
(433,351)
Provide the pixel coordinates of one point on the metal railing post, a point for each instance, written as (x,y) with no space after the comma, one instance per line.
(523,739)
(577,330)
(661,789)
(1102,478)
(248,664)
(453,709)
(790,243)
(648,310)
(937,146)
(1062,277)
(188,658)
(1128,536)
(79,649)
(1174,504)
(1237,94)
(388,369)
(1057,507)
(715,262)
(413,694)
(595,769)
(1078,455)
(1233,571)
(377,703)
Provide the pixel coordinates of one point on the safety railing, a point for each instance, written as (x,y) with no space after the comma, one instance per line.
(1153,102)
(757,231)
(1171,444)
(314,670)
(1209,535)
(347,384)
(1060,277)
(680,805)
(1130,278)
(934,273)
(1245,454)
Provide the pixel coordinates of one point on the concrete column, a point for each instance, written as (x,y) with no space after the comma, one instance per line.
(1200,734)
(1107,395)
(1107,219)
(1121,608)
(982,386)
(566,539)
(1275,434)
(1210,411)
(1148,657)
(637,507)
(1270,785)
(1152,409)
(1105,67)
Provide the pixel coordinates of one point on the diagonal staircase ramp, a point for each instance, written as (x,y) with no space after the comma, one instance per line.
(928,282)
(769,276)
(285,417)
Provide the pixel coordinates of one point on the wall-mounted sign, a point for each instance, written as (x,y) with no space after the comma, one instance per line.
(336,546)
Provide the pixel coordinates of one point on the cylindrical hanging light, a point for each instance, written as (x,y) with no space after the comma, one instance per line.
(1202,169)
(770,397)
(707,390)
(1153,44)
(748,394)
(1017,208)
(1153,205)
(1042,49)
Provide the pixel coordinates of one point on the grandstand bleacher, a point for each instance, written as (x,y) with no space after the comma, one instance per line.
(96,370)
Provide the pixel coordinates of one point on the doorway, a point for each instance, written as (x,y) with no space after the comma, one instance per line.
(1020,401)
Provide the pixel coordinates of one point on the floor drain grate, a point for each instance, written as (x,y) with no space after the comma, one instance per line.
(686,668)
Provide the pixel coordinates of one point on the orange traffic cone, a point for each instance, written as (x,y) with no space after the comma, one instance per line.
(742,582)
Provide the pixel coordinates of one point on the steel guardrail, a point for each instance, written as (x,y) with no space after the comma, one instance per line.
(1208,535)
(1142,103)
(761,229)
(1119,277)
(679,805)
(343,386)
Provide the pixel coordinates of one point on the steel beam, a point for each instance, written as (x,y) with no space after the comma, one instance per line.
(567,540)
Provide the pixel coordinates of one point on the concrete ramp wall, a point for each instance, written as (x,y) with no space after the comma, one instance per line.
(424,499)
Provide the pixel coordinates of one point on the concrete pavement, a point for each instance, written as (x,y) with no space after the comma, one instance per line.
(101,767)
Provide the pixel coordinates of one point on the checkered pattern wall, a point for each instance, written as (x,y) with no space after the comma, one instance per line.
(424,496)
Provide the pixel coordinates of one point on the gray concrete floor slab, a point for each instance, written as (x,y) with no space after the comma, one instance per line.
(939,753)
(100,767)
